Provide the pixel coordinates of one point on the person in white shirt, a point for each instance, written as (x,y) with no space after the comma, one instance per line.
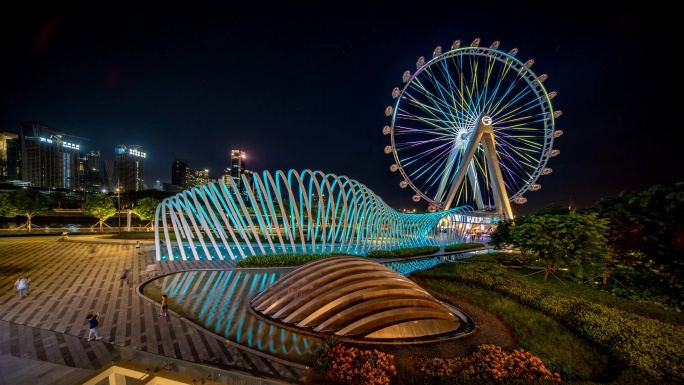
(22,285)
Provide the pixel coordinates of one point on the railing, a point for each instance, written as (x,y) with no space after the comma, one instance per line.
(170,371)
(58,230)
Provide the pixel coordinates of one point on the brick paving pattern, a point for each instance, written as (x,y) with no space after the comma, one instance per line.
(68,280)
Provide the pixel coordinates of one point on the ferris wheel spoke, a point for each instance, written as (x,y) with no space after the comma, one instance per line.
(438,106)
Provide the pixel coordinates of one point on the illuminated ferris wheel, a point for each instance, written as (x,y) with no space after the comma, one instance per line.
(472,126)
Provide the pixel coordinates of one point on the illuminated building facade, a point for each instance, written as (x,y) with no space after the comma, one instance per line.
(10,156)
(179,173)
(237,168)
(129,168)
(197,177)
(90,171)
(47,159)
(225,177)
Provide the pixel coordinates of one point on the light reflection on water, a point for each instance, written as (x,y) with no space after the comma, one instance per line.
(217,300)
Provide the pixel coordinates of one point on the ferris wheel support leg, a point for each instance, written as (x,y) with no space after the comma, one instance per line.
(484,134)
(464,165)
(503,205)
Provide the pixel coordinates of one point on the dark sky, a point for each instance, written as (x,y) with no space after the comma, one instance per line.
(304,86)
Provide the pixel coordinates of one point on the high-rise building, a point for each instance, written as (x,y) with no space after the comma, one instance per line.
(179,173)
(110,175)
(172,188)
(9,157)
(91,175)
(197,177)
(237,168)
(226,176)
(47,158)
(129,168)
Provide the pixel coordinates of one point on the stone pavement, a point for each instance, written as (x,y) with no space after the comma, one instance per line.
(44,337)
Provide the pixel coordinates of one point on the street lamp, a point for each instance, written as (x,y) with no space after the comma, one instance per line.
(118,199)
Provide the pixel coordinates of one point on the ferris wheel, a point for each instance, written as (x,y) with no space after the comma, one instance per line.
(472,126)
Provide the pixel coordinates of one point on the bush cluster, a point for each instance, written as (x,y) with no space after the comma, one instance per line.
(645,344)
(352,366)
(463,246)
(415,251)
(381,254)
(490,362)
(282,260)
(403,253)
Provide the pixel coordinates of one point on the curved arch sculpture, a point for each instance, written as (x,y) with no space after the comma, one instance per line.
(306,212)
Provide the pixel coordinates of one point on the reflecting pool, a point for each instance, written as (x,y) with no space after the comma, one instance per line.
(217,300)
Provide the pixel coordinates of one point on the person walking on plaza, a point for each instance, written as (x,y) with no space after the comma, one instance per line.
(164,306)
(22,285)
(124,276)
(92,324)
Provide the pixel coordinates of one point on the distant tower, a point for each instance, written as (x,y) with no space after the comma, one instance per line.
(226,176)
(91,175)
(47,159)
(237,168)
(179,173)
(197,177)
(129,167)
(9,156)
(110,174)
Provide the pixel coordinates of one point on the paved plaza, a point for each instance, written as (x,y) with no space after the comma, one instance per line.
(44,337)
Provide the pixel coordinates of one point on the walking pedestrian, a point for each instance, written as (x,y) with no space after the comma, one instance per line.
(164,306)
(92,324)
(151,269)
(124,276)
(22,285)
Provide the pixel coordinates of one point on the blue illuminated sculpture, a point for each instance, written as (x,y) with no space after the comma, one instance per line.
(291,212)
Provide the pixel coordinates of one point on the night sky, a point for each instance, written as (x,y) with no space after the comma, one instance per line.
(304,86)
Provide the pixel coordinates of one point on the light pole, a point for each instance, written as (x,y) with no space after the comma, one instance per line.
(118,200)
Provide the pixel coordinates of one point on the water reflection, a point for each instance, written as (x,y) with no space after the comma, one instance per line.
(218,300)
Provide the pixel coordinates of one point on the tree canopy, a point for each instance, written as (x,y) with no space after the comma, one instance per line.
(574,240)
(146,208)
(25,202)
(648,224)
(99,206)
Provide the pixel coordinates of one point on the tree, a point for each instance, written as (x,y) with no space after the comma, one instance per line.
(26,202)
(624,230)
(501,235)
(99,206)
(574,240)
(146,208)
(661,213)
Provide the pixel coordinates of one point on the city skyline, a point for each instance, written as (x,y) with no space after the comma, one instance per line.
(305,86)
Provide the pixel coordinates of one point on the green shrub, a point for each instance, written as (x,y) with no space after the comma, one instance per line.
(463,246)
(415,251)
(282,260)
(645,344)
(381,254)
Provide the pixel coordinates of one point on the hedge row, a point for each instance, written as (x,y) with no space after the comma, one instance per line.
(463,246)
(282,260)
(645,344)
